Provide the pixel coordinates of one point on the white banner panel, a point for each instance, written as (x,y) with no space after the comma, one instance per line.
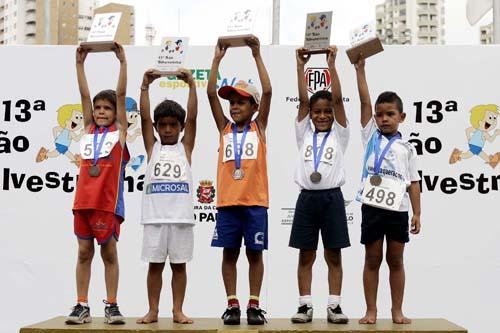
(452,267)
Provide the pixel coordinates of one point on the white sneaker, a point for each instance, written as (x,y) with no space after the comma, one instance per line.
(304,314)
(335,315)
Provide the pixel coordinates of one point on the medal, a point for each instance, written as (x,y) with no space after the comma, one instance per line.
(94,171)
(315,177)
(238,174)
(375,180)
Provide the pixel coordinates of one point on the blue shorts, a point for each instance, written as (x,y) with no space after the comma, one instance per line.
(475,149)
(235,222)
(61,149)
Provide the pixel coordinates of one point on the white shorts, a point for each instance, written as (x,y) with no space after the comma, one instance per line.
(174,241)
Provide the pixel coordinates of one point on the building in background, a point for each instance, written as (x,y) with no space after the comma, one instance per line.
(58,22)
(486,34)
(411,22)
(62,22)
(150,33)
(126,29)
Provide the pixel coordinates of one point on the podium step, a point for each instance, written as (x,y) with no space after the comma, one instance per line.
(212,325)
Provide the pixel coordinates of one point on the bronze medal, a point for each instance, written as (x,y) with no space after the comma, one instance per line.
(94,171)
(315,177)
(375,180)
(238,174)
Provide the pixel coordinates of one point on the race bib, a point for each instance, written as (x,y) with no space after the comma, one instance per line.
(328,152)
(169,167)
(250,148)
(388,195)
(87,144)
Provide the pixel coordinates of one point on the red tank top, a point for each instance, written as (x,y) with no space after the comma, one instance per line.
(104,192)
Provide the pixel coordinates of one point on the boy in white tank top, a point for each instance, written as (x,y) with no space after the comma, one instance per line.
(167,198)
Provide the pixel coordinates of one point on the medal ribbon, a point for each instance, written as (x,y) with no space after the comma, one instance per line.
(317,155)
(97,149)
(238,150)
(379,157)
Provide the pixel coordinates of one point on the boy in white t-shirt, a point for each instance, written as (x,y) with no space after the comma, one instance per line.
(167,197)
(320,174)
(389,182)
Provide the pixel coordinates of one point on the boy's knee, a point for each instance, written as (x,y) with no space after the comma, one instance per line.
(373,261)
(85,254)
(230,255)
(109,255)
(307,258)
(254,257)
(333,258)
(178,268)
(394,262)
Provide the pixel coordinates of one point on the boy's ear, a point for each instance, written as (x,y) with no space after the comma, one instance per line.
(403,117)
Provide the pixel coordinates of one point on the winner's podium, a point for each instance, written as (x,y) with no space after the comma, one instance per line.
(211,325)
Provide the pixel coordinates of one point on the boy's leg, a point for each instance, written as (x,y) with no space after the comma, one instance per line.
(304,271)
(373,259)
(229,273)
(394,258)
(179,281)
(333,259)
(154,284)
(109,256)
(83,268)
(255,271)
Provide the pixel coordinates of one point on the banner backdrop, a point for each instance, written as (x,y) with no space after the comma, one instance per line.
(452,267)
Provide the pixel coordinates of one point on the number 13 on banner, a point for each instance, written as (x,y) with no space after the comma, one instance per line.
(388,195)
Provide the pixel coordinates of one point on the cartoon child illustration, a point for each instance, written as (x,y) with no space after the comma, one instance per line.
(178,46)
(483,119)
(70,120)
(133,131)
(323,23)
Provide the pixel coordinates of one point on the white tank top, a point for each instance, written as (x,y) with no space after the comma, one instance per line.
(167,196)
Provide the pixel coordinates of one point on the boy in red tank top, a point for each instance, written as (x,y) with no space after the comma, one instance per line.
(242,187)
(98,207)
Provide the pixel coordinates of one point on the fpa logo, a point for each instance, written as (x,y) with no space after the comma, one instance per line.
(317,78)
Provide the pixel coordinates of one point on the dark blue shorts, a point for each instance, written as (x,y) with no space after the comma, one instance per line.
(237,222)
(377,223)
(61,149)
(320,211)
(476,150)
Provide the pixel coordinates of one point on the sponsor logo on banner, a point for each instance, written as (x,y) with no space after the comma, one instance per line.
(317,79)
(288,213)
(200,77)
(205,210)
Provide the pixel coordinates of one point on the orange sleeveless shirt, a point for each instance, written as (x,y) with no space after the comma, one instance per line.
(252,190)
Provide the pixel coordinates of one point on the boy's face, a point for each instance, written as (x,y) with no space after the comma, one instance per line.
(489,122)
(75,122)
(104,113)
(322,114)
(240,108)
(388,117)
(168,128)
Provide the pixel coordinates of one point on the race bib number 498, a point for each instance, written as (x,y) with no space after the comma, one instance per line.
(388,195)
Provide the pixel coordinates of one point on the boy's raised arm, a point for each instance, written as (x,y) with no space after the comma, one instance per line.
(267,91)
(301,83)
(88,119)
(144,107)
(213,99)
(364,94)
(121,90)
(337,101)
(192,112)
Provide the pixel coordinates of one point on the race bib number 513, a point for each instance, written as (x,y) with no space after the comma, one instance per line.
(87,144)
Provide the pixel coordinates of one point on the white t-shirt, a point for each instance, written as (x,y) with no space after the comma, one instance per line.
(331,164)
(400,162)
(167,196)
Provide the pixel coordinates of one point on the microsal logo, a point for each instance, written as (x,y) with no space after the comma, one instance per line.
(317,79)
